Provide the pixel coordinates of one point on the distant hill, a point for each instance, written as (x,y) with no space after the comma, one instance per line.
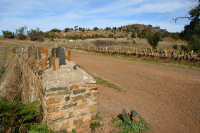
(141,27)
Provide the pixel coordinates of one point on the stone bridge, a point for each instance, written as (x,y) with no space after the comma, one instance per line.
(67,94)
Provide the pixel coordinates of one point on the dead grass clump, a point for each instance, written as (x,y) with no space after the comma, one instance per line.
(10,80)
(20,82)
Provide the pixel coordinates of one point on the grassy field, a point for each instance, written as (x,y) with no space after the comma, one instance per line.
(140,43)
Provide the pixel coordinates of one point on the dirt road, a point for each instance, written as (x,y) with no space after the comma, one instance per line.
(168,98)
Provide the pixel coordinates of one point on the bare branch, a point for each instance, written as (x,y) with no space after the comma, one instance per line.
(177,18)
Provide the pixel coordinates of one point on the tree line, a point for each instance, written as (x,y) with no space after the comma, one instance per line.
(191,32)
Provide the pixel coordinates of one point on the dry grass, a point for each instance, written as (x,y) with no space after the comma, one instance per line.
(20,81)
(140,43)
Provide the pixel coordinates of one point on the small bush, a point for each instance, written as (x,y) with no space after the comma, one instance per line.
(8,34)
(50,35)
(67,29)
(128,125)
(133,35)
(21,33)
(55,30)
(110,36)
(40,128)
(175,46)
(184,48)
(95,28)
(194,44)
(95,125)
(36,35)
(154,39)
(18,117)
(73,131)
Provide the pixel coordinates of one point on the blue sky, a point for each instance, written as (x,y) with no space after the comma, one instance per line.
(48,14)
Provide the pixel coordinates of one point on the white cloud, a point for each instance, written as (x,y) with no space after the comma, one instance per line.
(160,7)
(117,5)
(49,14)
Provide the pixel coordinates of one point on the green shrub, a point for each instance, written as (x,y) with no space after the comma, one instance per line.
(95,125)
(50,35)
(73,131)
(55,30)
(67,29)
(175,36)
(175,46)
(127,125)
(36,35)
(194,44)
(40,128)
(154,39)
(110,36)
(95,28)
(133,35)
(21,33)
(184,48)
(18,117)
(8,34)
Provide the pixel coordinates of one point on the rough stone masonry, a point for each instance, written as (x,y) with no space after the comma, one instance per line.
(68,94)
(70,97)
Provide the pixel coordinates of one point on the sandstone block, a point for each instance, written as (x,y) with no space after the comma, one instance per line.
(56,64)
(69,106)
(55,115)
(80,97)
(75,92)
(92,86)
(74,87)
(93,108)
(87,118)
(87,95)
(57,89)
(56,93)
(81,106)
(53,108)
(65,125)
(78,123)
(54,100)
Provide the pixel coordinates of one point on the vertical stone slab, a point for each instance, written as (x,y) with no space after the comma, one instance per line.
(60,53)
(44,58)
(68,55)
(56,64)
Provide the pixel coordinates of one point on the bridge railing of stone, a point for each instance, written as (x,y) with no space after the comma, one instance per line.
(171,54)
(67,94)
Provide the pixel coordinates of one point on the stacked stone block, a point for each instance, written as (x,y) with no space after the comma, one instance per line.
(71,98)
